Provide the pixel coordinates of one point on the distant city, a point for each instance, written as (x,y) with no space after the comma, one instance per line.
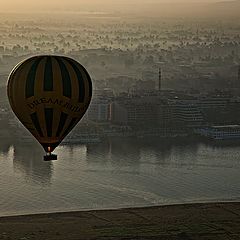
(146,111)
(167,78)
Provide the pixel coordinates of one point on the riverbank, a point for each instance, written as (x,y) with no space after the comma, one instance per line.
(219,221)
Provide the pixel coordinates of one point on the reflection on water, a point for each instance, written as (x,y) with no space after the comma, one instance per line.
(116,173)
(28,160)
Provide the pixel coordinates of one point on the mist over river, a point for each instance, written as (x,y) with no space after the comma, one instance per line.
(116,173)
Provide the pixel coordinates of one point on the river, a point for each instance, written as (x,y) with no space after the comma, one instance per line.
(117,173)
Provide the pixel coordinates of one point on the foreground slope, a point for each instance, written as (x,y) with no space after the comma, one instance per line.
(194,221)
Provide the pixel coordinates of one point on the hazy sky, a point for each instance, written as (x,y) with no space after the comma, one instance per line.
(25,3)
(147,7)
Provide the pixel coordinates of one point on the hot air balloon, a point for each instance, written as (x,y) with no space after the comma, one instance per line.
(49,95)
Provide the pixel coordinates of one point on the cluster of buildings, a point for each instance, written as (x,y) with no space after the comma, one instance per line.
(166,112)
(148,110)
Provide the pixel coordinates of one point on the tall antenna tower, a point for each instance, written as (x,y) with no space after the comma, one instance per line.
(238,75)
(160,79)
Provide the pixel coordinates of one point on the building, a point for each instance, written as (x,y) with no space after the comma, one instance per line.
(213,101)
(146,111)
(98,110)
(186,112)
(220,132)
(118,113)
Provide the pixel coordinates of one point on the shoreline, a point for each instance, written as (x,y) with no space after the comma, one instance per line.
(180,221)
(174,204)
(124,208)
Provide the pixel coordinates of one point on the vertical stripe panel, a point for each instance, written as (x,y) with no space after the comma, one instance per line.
(35,121)
(29,92)
(48,76)
(62,122)
(39,79)
(57,84)
(89,83)
(70,126)
(49,120)
(81,85)
(66,81)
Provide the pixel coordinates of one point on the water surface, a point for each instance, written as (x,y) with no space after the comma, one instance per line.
(116,173)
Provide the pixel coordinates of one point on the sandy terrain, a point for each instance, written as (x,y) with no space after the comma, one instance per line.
(219,221)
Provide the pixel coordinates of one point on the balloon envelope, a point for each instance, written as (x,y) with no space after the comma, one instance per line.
(49,95)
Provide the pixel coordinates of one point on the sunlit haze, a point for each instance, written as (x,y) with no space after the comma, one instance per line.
(153,8)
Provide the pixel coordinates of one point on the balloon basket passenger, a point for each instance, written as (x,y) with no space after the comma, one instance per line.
(49,156)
